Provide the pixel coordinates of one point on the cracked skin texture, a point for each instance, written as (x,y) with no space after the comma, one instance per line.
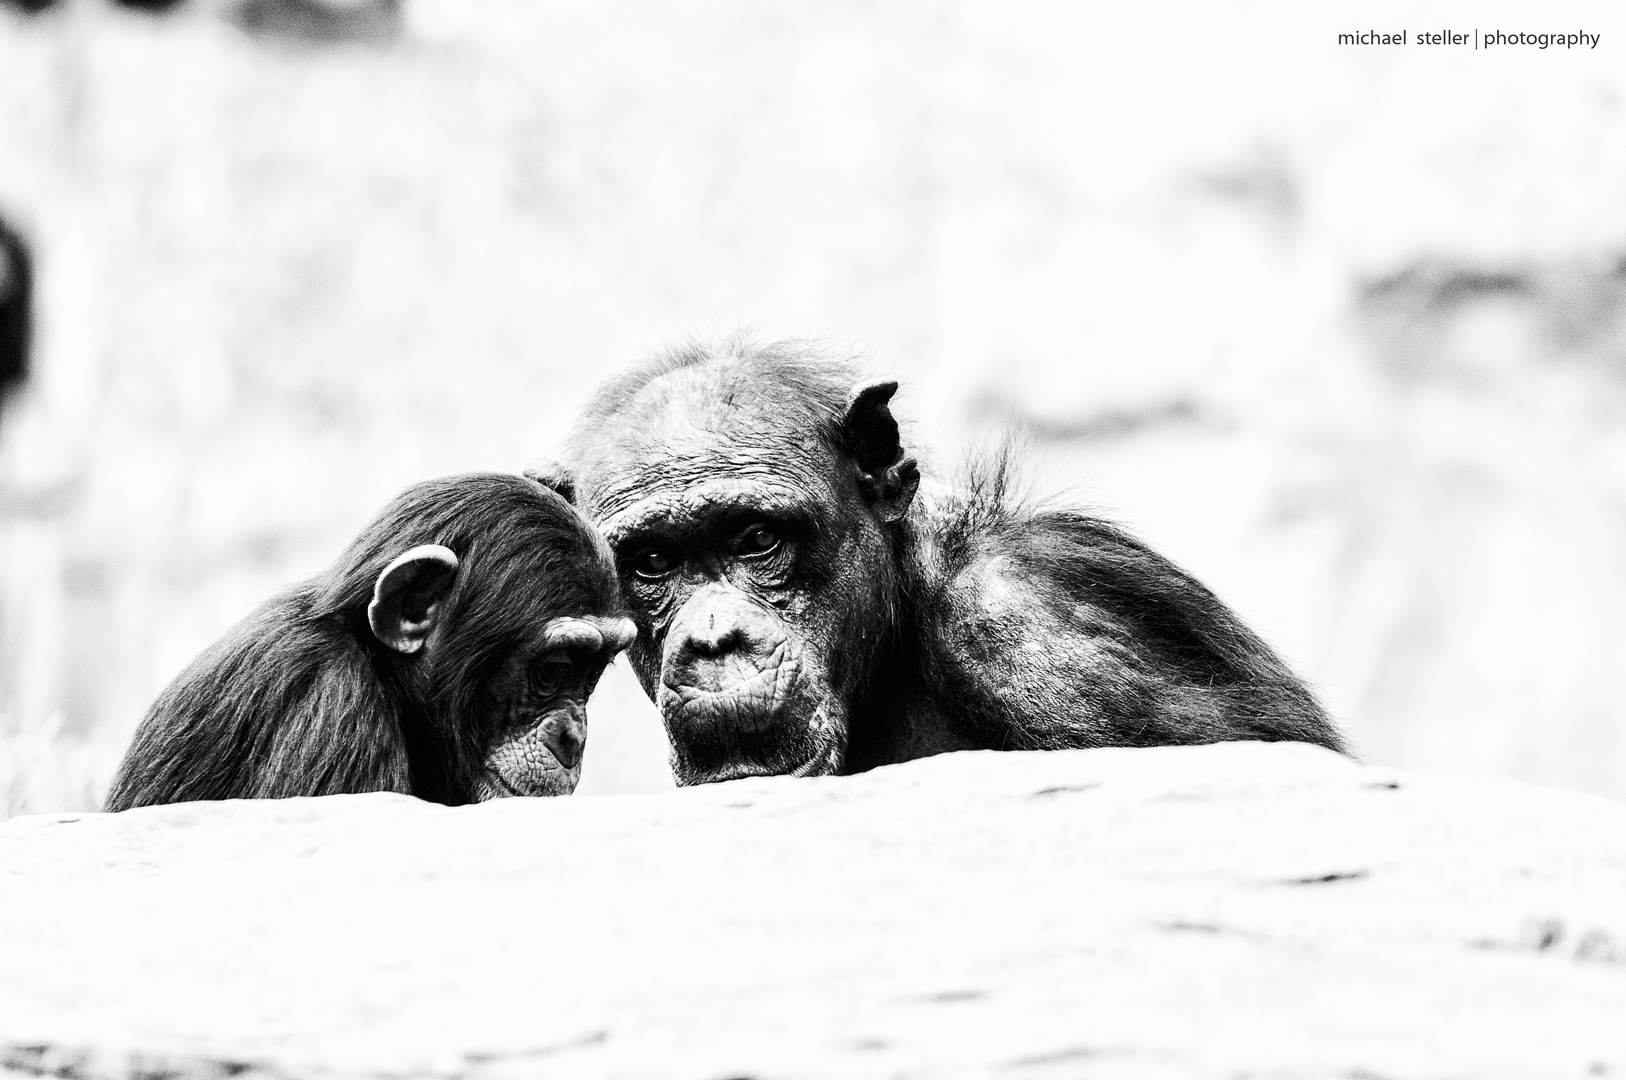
(540,701)
(526,766)
(743,693)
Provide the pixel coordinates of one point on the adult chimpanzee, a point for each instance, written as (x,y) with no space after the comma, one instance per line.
(800,612)
(447,654)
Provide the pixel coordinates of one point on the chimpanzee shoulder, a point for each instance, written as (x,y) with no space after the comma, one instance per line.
(318,721)
(1048,628)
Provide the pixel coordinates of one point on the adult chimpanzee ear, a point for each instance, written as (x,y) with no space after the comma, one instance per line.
(885,476)
(408,596)
(552,474)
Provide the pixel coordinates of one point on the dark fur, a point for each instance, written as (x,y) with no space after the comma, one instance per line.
(16,309)
(1135,651)
(301,699)
(1184,668)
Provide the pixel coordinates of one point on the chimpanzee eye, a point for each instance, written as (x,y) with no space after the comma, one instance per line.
(550,676)
(654,562)
(759,540)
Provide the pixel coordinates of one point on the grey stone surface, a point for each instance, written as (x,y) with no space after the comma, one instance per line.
(1237,910)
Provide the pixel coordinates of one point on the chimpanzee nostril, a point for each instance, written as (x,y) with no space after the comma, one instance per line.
(717,638)
(713,642)
(562,734)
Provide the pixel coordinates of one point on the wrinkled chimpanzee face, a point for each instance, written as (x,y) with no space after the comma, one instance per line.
(537,711)
(754,563)
(501,673)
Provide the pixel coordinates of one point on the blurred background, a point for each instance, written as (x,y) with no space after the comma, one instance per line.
(1342,330)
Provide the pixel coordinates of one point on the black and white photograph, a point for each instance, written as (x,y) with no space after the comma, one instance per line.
(768,540)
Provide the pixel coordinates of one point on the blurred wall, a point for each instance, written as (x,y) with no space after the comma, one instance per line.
(1342,330)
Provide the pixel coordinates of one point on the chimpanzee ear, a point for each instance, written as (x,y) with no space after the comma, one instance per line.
(552,474)
(408,596)
(887,478)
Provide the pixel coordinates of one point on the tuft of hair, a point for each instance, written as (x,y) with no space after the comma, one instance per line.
(989,496)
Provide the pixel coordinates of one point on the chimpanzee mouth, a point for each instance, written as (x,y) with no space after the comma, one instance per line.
(765,721)
(746,770)
(734,770)
(746,710)
(541,778)
(491,785)
(797,749)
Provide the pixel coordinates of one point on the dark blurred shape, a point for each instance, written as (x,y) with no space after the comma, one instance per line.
(16,308)
(30,7)
(1107,423)
(1564,312)
(1261,184)
(156,7)
(320,20)
(1443,286)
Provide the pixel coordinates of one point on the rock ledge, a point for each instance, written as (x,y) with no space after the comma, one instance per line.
(1244,909)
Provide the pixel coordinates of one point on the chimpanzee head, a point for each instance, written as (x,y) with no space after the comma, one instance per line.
(750,496)
(494,609)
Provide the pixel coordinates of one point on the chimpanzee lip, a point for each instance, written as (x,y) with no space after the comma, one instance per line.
(743,764)
(767,692)
(500,781)
(771,701)
(735,770)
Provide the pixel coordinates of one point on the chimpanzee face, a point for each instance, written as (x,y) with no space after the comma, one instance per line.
(537,706)
(505,675)
(756,571)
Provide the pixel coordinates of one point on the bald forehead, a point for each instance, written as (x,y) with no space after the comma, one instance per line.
(717,400)
(687,430)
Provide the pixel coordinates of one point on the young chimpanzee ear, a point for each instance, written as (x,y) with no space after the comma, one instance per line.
(553,475)
(886,477)
(408,596)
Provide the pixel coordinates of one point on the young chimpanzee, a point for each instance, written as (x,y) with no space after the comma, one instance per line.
(799,611)
(447,654)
